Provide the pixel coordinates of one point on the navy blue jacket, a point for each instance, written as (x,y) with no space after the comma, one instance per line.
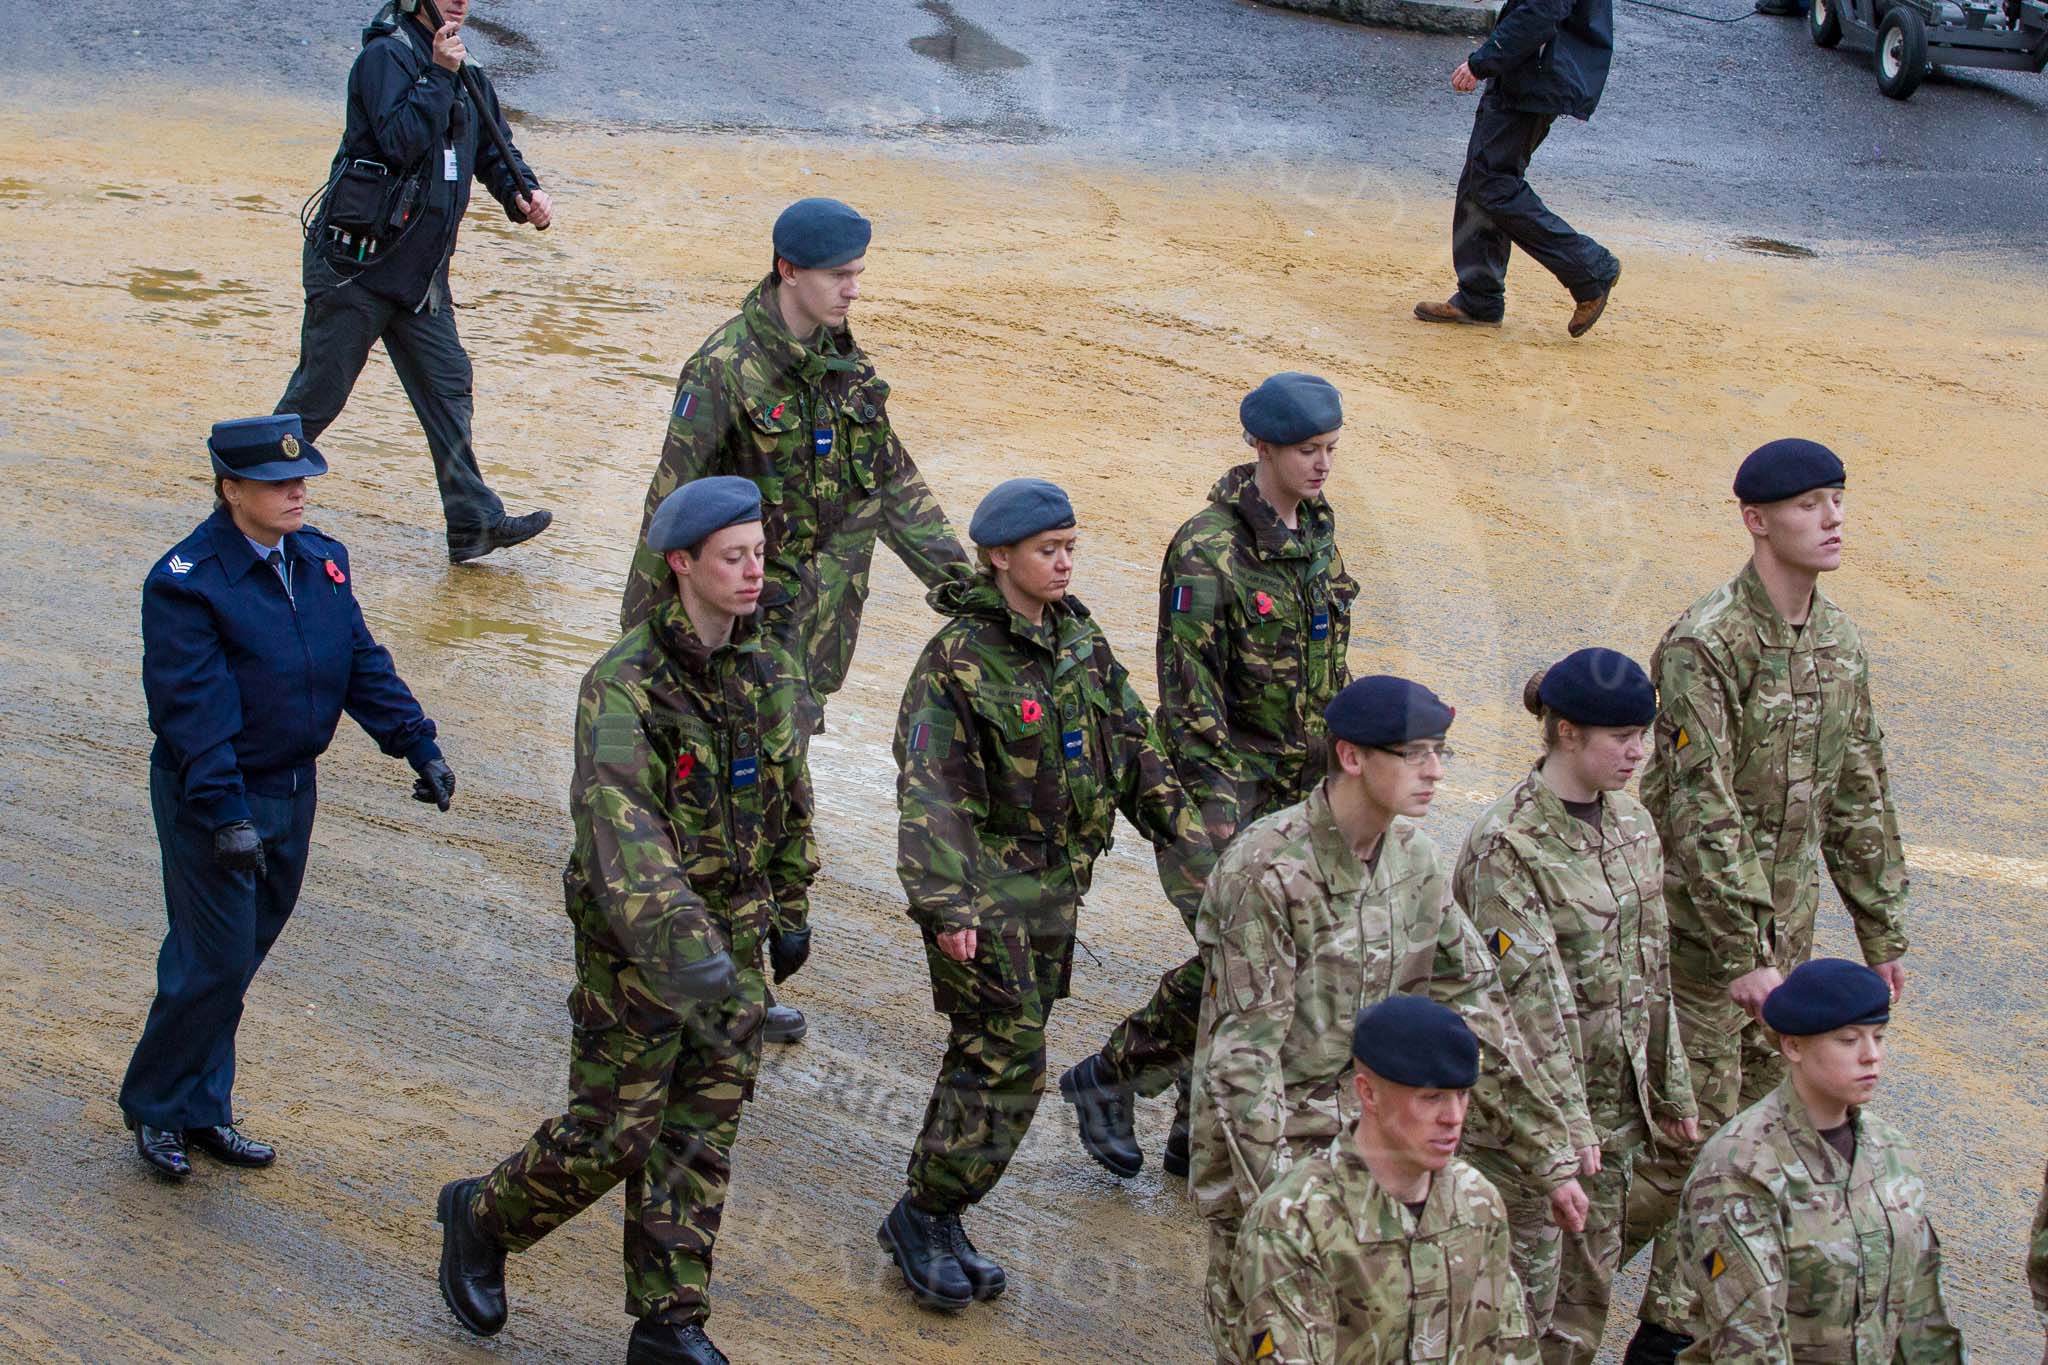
(1548,56)
(246,686)
(406,112)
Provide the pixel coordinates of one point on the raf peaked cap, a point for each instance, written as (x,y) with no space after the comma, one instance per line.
(1018,509)
(1380,711)
(700,508)
(1291,408)
(1413,1040)
(266,449)
(1599,687)
(818,234)
(1785,469)
(1826,994)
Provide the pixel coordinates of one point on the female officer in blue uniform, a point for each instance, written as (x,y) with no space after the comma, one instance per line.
(252,647)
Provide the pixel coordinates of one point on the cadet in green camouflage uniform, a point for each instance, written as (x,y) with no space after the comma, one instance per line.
(1767,758)
(1801,1229)
(1254,622)
(1387,1247)
(1313,913)
(693,846)
(1564,880)
(1019,740)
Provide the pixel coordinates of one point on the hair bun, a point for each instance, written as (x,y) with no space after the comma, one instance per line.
(1532,693)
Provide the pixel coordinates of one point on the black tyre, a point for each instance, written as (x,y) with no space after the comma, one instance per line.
(1901,56)
(1823,22)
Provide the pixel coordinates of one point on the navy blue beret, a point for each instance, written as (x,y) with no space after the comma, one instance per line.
(700,508)
(1412,1040)
(1785,469)
(1290,408)
(1381,711)
(1018,509)
(817,234)
(266,449)
(1599,687)
(1826,994)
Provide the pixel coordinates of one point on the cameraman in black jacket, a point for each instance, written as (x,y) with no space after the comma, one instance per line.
(414,137)
(1543,58)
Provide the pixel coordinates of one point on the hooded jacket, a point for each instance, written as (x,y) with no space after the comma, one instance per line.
(1548,56)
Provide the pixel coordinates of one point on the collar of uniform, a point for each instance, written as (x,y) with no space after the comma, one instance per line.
(1817,1152)
(1559,823)
(1363,1191)
(678,636)
(785,351)
(1771,628)
(237,556)
(1342,869)
(1239,490)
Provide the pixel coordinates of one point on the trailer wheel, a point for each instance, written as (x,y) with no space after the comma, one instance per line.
(1901,55)
(1823,23)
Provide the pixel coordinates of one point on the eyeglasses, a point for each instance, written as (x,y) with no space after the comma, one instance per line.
(1415,758)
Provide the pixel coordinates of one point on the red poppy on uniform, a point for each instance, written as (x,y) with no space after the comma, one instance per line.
(685,765)
(1030,710)
(1265,604)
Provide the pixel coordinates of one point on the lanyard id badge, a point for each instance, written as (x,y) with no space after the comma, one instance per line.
(448,163)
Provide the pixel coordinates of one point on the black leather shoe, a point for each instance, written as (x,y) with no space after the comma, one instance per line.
(164,1149)
(1104,1114)
(1654,1345)
(984,1276)
(508,532)
(224,1144)
(664,1343)
(784,1024)
(916,1243)
(472,1266)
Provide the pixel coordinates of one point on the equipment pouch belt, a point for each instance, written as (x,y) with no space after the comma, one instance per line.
(367,209)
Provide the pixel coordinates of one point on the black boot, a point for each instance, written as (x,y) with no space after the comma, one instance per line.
(509,531)
(984,1276)
(783,1023)
(914,1241)
(1175,1158)
(164,1150)
(472,1266)
(665,1343)
(1654,1345)
(1104,1114)
(224,1144)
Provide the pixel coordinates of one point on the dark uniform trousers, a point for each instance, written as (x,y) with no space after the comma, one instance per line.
(342,321)
(1496,208)
(221,927)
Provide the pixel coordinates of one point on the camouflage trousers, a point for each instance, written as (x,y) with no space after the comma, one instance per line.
(994,1072)
(656,1108)
(1568,1277)
(1734,1064)
(1153,1048)
(1221,1306)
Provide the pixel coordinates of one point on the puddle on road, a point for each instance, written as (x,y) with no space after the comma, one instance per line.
(153,284)
(965,46)
(1771,246)
(12,189)
(524,644)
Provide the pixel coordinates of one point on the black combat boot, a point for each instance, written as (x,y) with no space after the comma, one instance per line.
(472,1265)
(666,1343)
(1175,1158)
(920,1248)
(1104,1114)
(983,1275)
(783,1023)
(1654,1345)
(464,546)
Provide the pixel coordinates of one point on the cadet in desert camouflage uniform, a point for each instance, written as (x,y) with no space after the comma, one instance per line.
(784,396)
(1254,622)
(1387,1247)
(1767,758)
(1019,740)
(1313,913)
(693,846)
(1801,1230)
(1564,880)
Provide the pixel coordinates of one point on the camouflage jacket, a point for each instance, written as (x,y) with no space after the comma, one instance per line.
(1296,936)
(2037,1256)
(1575,918)
(1333,1270)
(692,811)
(1015,748)
(1767,751)
(1254,622)
(810,426)
(1799,1256)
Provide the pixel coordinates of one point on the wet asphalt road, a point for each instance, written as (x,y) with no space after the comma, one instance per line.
(1742,126)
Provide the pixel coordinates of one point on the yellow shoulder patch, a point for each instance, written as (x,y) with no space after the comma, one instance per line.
(1682,740)
(1501,944)
(1715,1265)
(1265,1350)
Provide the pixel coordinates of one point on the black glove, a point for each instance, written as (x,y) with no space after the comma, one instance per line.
(714,978)
(238,848)
(436,783)
(788,951)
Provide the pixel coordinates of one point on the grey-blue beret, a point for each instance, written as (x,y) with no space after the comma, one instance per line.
(1785,469)
(700,508)
(1380,711)
(1018,509)
(1599,687)
(1413,1040)
(1290,408)
(1826,994)
(818,234)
